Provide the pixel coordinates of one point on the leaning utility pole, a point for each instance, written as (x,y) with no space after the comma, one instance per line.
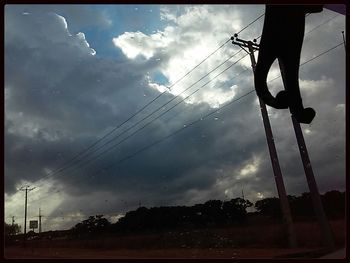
(326,233)
(26,189)
(287,217)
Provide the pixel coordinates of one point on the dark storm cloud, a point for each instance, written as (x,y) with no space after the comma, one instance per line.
(77,16)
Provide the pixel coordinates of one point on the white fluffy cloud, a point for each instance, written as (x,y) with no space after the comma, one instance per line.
(135,44)
(194,33)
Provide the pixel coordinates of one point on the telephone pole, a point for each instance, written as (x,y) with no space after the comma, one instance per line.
(13,220)
(26,189)
(40,216)
(287,217)
(326,233)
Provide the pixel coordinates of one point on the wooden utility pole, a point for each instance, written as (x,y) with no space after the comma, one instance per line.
(287,217)
(26,189)
(326,233)
(40,220)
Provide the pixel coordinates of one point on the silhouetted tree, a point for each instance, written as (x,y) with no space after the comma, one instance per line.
(91,226)
(302,206)
(269,206)
(11,229)
(211,213)
(334,204)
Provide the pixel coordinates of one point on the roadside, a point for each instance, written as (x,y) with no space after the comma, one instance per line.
(228,253)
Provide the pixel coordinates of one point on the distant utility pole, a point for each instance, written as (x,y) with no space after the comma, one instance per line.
(40,220)
(26,189)
(287,217)
(13,220)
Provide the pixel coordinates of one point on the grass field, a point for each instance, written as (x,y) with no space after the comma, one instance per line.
(264,241)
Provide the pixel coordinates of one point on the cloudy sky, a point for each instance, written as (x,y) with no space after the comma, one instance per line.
(76,74)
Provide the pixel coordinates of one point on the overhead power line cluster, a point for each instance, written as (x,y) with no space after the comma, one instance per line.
(81,159)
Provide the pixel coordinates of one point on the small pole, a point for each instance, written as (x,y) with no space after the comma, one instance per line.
(344,39)
(25,212)
(39,220)
(326,233)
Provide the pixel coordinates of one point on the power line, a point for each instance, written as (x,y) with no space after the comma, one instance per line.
(204,117)
(146,117)
(250,23)
(174,133)
(145,106)
(301,64)
(163,113)
(110,148)
(206,83)
(136,113)
(310,30)
(191,124)
(319,55)
(316,27)
(325,22)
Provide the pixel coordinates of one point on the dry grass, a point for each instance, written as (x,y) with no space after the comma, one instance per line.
(268,237)
(225,253)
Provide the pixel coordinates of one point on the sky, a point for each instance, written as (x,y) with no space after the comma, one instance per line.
(78,78)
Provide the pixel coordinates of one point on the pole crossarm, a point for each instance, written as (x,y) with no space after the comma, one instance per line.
(244,43)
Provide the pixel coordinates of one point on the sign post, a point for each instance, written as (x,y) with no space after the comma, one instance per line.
(33,224)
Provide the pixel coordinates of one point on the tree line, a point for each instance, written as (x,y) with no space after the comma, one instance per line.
(301,206)
(213,213)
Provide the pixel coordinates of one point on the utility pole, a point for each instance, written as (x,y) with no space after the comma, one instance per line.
(325,229)
(287,217)
(13,220)
(26,189)
(40,220)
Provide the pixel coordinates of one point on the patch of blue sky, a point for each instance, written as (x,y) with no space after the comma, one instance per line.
(160,79)
(124,18)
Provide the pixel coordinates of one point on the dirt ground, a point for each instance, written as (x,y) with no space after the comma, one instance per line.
(263,241)
(228,253)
